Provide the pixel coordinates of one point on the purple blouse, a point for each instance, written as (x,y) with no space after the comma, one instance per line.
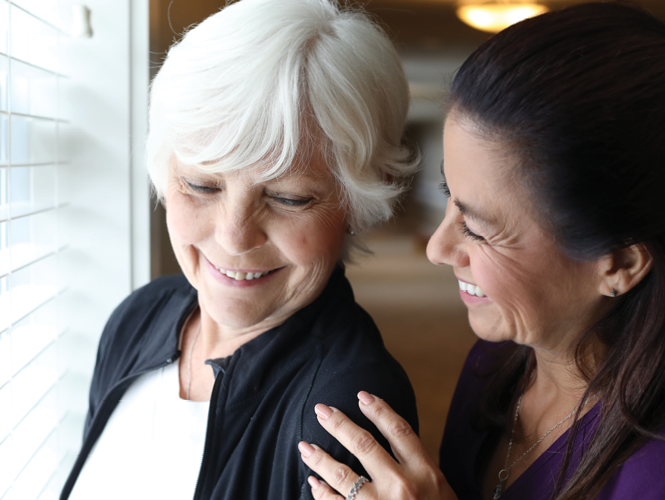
(464,450)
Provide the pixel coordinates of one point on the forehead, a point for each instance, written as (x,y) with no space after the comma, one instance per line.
(472,162)
(482,175)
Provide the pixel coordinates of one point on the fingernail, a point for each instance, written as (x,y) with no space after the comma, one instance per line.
(365,398)
(305,448)
(313,482)
(323,411)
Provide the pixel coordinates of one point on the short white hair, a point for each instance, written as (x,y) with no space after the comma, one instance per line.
(261,81)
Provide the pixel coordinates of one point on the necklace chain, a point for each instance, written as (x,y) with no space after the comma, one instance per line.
(504,473)
(189,368)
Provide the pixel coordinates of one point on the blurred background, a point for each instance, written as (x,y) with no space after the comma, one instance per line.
(415,304)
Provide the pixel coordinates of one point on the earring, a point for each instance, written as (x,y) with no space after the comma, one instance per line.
(613,293)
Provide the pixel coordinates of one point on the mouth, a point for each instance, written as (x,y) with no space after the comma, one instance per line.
(470,289)
(243,275)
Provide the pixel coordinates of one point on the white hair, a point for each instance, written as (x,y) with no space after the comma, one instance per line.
(261,81)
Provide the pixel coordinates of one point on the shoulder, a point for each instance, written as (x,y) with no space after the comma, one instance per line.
(461,440)
(144,321)
(151,294)
(339,387)
(152,298)
(354,358)
(641,476)
(352,350)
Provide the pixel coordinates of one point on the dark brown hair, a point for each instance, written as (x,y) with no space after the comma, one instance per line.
(578,95)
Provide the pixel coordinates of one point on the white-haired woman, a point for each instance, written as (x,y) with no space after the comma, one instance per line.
(275,136)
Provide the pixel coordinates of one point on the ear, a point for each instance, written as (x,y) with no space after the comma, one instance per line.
(625,268)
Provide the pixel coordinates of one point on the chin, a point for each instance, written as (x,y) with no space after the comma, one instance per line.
(488,330)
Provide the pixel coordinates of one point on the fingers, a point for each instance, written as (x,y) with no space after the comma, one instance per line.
(339,476)
(355,439)
(405,444)
(321,491)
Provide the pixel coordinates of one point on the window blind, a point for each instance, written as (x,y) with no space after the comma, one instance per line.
(32,445)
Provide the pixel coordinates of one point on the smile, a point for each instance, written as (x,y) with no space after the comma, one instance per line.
(470,289)
(239,276)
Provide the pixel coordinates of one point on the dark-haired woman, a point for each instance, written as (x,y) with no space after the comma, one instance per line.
(554,159)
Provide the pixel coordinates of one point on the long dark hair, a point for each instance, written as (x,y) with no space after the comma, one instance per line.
(578,95)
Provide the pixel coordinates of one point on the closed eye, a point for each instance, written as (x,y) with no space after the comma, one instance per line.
(470,234)
(200,188)
(443,186)
(291,202)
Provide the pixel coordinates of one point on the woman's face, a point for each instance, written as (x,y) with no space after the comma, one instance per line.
(530,292)
(256,251)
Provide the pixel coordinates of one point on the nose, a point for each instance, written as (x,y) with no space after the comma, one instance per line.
(445,246)
(239,228)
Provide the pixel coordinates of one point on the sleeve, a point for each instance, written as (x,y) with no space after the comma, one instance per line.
(391,385)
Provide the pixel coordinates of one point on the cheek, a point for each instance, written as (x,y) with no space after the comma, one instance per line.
(316,238)
(488,269)
(531,290)
(186,223)
(505,280)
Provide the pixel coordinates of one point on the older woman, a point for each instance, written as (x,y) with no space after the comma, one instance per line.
(554,163)
(275,136)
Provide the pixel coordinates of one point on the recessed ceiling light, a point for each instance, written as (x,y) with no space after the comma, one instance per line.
(495,15)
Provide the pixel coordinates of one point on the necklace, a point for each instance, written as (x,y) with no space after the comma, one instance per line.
(504,473)
(191,353)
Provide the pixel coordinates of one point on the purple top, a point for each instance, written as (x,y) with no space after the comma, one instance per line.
(465,450)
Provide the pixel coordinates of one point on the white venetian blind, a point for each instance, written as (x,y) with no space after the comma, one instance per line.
(32,447)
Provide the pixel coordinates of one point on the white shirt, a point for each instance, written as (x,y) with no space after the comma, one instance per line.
(151,447)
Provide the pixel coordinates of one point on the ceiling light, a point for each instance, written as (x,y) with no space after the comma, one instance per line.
(496,15)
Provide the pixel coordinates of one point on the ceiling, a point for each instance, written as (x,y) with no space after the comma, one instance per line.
(414,25)
(433,24)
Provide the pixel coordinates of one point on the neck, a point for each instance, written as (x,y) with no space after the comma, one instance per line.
(554,376)
(556,388)
(212,341)
(219,341)
(557,372)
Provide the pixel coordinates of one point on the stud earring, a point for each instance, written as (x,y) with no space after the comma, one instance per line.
(613,293)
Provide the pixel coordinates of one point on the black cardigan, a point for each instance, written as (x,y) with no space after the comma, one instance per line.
(262,403)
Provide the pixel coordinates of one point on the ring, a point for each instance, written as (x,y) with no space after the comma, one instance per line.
(356,487)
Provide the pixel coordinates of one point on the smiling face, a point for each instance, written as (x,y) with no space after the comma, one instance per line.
(530,291)
(256,250)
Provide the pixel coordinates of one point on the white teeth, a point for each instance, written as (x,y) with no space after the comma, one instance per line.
(470,289)
(238,276)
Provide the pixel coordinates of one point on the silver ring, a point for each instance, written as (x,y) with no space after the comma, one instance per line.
(356,487)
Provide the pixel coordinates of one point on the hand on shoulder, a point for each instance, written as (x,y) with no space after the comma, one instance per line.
(413,476)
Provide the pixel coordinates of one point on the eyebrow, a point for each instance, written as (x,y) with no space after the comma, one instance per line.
(465,209)
(473,214)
